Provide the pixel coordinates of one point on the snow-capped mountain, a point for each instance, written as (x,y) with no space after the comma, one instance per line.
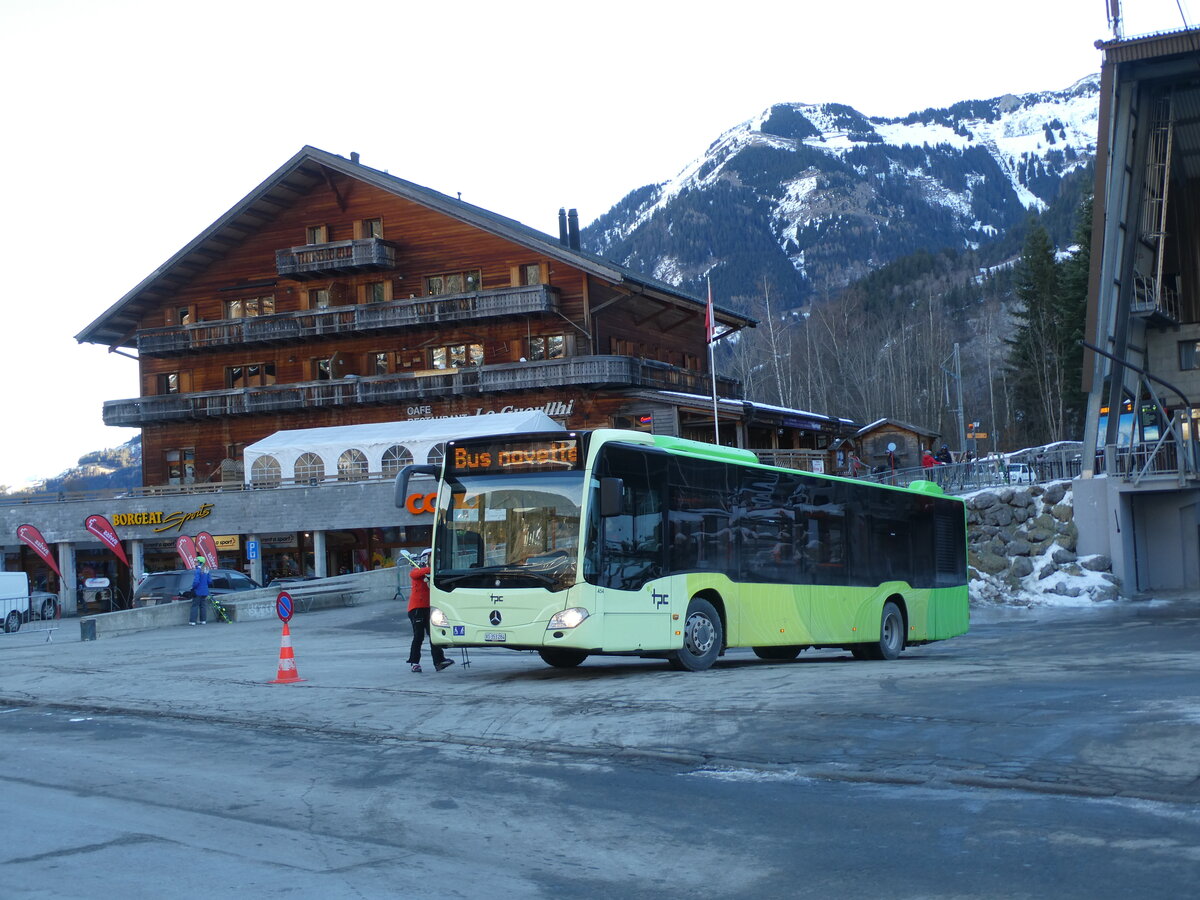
(813,196)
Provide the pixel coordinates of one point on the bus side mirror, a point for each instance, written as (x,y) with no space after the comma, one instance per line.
(408,472)
(612,491)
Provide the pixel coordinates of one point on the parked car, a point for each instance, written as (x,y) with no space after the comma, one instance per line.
(1019,473)
(167,587)
(18,604)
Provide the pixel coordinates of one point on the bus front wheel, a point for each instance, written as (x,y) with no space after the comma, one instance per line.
(891,635)
(702,638)
(562,658)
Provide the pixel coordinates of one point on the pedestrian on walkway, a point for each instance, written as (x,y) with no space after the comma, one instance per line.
(201,587)
(418,615)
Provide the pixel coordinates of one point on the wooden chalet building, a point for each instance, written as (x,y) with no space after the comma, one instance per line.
(337,294)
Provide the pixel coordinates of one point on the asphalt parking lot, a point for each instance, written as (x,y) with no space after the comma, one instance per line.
(1099,701)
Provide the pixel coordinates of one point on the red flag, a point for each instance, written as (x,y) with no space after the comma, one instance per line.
(207,546)
(102,528)
(186,550)
(709,322)
(30,536)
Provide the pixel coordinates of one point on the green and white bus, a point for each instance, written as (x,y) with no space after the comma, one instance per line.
(616,542)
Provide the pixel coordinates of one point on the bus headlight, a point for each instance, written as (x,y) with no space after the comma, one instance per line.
(437,618)
(568,618)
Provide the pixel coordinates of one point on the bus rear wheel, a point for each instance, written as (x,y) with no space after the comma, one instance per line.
(562,658)
(891,635)
(777,653)
(702,638)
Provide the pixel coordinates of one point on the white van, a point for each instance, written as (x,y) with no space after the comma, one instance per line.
(17,605)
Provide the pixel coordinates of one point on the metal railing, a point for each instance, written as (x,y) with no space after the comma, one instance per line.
(1175,455)
(335,320)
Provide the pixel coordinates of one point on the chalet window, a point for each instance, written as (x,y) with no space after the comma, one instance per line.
(322,369)
(246,307)
(531,273)
(250,375)
(548,346)
(621,347)
(691,362)
(316,234)
(183,315)
(381,363)
(180,465)
(370,228)
(456,356)
(1189,355)
(319,298)
(167,383)
(376,292)
(453,283)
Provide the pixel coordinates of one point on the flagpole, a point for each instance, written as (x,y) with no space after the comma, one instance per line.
(711,323)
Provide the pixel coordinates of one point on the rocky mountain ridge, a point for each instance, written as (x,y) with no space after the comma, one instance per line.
(811,197)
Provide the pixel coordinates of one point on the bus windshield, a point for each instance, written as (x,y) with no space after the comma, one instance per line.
(509,530)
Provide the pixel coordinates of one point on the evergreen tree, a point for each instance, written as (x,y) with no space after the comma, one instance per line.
(1073,312)
(1040,347)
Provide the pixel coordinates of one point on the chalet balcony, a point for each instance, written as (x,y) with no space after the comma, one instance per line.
(335,258)
(333,321)
(406,387)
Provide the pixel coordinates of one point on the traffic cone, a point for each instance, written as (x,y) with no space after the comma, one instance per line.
(287,660)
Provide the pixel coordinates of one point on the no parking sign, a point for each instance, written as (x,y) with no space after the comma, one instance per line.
(284,606)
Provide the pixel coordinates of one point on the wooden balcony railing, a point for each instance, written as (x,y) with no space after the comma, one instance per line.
(336,320)
(576,371)
(335,258)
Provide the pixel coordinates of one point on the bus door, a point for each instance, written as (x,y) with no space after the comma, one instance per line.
(631,554)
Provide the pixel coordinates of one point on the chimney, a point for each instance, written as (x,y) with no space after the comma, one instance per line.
(573,229)
(562,226)
(354,157)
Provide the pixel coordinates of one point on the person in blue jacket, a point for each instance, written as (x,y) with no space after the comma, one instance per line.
(201,583)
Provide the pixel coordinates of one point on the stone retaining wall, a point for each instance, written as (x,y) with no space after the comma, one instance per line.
(1021,547)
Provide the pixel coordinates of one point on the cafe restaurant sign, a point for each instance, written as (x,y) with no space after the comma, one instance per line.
(163,520)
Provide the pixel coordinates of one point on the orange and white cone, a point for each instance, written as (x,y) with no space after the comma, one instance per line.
(287,660)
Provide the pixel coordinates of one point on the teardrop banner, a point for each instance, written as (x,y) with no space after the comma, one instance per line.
(186,548)
(31,537)
(208,547)
(102,528)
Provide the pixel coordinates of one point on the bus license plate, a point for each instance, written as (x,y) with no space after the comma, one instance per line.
(495,636)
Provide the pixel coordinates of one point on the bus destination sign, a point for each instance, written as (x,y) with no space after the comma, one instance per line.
(515,456)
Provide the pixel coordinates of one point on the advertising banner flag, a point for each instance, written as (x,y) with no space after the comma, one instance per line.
(31,537)
(186,549)
(208,547)
(102,528)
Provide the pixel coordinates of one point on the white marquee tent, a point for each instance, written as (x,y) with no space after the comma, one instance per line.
(348,452)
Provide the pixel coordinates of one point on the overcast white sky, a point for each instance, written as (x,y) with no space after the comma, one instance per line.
(128,127)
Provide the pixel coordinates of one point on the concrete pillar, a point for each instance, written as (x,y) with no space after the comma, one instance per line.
(256,565)
(320,565)
(137,560)
(68,584)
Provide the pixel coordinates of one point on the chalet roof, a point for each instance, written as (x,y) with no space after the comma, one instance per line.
(895,423)
(116,325)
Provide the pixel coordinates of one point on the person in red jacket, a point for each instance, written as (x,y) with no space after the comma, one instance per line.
(418,615)
(927,460)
